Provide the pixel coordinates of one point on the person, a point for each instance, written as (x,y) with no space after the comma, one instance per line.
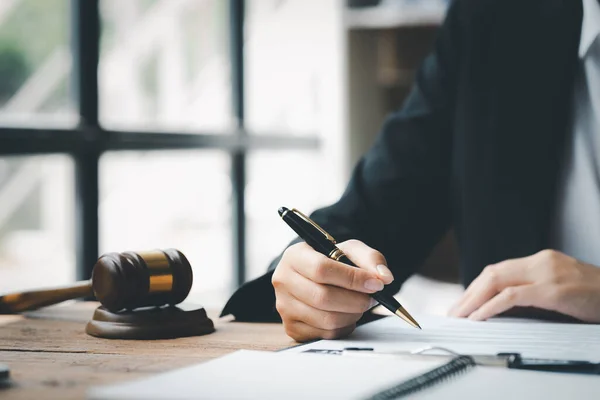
(500,140)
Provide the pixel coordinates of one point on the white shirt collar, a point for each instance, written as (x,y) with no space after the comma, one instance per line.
(590,28)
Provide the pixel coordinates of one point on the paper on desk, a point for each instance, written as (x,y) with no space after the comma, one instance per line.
(262,375)
(530,338)
(250,375)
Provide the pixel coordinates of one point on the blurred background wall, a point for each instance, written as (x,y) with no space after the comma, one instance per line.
(323,70)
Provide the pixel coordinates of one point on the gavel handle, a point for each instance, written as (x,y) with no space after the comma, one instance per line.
(26,301)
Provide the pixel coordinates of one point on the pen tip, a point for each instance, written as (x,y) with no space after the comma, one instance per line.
(402,313)
(282,211)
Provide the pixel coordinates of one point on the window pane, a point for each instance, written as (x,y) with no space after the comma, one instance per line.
(292,53)
(35,61)
(296,183)
(36,222)
(171,199)
(164,64)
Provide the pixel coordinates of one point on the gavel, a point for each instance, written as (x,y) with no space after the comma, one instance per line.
(120,281)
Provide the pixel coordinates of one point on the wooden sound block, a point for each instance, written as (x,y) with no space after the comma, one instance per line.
(165,322)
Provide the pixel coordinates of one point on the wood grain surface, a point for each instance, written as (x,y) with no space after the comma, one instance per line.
(51,357)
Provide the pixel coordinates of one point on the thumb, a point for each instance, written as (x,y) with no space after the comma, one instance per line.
(367,258)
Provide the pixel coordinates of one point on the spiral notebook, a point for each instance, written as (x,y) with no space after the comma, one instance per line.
(263,375)
(290,375)
(426,380)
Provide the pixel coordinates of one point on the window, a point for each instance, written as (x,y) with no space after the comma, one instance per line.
(164,65)
(171,199)
(132,125)
(36,221)
(289,65)
(297,183)
(35,61)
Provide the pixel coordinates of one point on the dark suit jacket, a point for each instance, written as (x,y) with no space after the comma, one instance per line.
(477,147)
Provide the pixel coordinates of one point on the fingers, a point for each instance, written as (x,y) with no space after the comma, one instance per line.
(302,332)
(321,269)
(536,295)
(324,320)
(317,297)
(493,280)
(367,258)
(326,297)
(311,310)
(547,280)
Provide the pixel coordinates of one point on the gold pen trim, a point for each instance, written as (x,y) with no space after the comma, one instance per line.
(313,223)
(336,254)
(402,313)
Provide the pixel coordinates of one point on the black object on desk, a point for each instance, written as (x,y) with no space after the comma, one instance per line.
(503,360)
(515,361)
(4,373)
(458,364)
(321,241)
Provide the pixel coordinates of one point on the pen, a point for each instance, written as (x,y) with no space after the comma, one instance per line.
(324,243)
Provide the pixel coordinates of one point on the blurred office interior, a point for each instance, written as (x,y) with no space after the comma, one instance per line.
(199,120)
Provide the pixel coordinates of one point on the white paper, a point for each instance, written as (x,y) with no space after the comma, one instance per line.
(265,375)
(291,374)
(489,383)
(530,338)
(262,375)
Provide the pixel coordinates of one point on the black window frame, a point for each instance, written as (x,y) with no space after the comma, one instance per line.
(88,140)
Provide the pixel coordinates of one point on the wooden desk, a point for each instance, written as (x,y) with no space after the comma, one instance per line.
(51,357)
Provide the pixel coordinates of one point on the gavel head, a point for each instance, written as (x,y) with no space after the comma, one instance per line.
(131,280)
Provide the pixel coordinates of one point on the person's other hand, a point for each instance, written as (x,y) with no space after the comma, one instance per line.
(548,280)
(319,298)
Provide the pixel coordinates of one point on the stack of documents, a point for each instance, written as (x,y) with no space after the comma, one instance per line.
(295,374)
(534,339)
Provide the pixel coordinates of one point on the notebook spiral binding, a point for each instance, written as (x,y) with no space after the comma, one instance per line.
(449,370)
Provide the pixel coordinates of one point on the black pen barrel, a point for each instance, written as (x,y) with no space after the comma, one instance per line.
(308,233)
(324,243)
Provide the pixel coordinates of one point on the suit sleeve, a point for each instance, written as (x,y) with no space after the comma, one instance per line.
(398,200)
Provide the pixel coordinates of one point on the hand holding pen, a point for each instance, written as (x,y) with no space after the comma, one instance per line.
(320,298)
